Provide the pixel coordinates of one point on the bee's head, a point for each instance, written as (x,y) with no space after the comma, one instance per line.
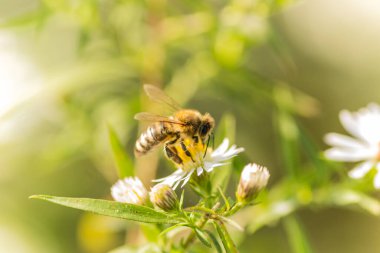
(206,126)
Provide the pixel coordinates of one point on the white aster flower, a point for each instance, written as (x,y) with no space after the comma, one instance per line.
(253,179)
(201,164)
(129,190)
(164,197)
(364,125)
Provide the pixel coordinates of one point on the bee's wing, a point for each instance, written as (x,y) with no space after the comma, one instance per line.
(146,116)
(159,96)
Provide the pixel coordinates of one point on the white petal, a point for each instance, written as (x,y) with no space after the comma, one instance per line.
(374,108)
(340,140)
(222,148)
(348,155)
(369,125)
(376,181)
(176,185)
(363,124)
(361,170)
(187,178)
(172,178)
(199,171)
(349,122)
(210,166)
(233,151)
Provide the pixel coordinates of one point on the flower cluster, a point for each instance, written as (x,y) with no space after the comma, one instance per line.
(131,190)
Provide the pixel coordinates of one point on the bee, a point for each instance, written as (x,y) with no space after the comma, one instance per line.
(180,133)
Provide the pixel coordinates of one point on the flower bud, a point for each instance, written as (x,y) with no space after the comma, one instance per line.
(164,197)
(252,180)
(129,190)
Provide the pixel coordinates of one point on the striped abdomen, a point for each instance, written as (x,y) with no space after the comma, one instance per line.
(153,136)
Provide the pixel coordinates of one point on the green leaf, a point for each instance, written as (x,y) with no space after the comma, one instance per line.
(173,227)
(202,236)
(287,129)
(226,129)
(214,241)
(123,162)
(181,199)
(112,208)
(225,237)
(226,202)
(297,238)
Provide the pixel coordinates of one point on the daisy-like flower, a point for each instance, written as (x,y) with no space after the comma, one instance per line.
(364,126)
(129,190)
(252,180)
(163,196)
(201,164)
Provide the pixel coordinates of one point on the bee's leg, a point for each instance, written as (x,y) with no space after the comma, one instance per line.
(187,152)
(172,154)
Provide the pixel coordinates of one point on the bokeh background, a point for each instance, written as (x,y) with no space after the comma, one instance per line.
(68,69)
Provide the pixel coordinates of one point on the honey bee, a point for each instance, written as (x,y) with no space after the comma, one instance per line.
(178,132)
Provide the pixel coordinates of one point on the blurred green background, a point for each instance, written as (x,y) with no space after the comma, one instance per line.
(70,68)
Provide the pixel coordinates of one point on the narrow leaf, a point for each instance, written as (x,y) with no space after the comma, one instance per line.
(202,236)
(173,227)
(226,202)
(123,162)
(214,241)
(112,208)
(181,200)
(287,129)
(228,244)
(226,129)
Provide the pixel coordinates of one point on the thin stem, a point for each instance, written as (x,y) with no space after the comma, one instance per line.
(190,239)
(296,235)
(200,208)
(200,224)
(234,209)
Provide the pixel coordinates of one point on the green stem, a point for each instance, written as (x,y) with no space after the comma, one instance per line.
(190,239)
(234,209)
(297,238)
(200,208)
(200,224)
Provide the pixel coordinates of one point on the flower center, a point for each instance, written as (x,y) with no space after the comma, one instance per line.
(191,153)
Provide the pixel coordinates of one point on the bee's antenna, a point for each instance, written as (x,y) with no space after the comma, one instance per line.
(213,140)
(208,142)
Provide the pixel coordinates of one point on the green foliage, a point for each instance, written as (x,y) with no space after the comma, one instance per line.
(124,164)
(112,208)
(205,52)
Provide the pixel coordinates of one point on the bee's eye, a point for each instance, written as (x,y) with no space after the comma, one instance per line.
(204,129)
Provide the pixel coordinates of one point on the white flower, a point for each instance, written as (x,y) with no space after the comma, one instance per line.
(164,197)
(252,180)
(129,190)
(364,125)
(202,164)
